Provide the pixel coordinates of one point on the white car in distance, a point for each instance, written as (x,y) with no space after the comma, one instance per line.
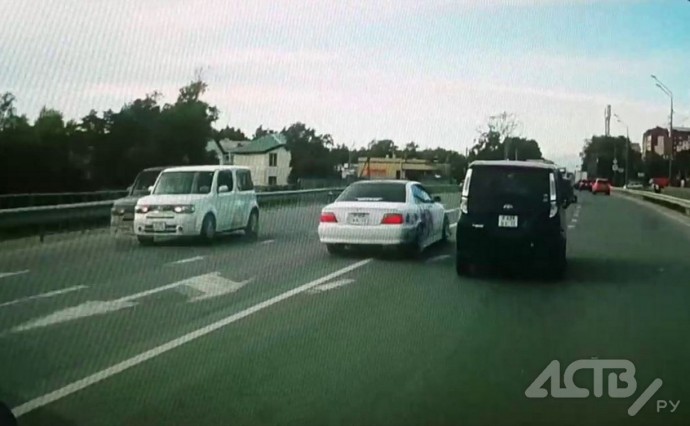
(389,213)
(198,201)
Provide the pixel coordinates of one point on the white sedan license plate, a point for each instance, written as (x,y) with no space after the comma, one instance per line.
(507,221)
(159,226)
(357,219)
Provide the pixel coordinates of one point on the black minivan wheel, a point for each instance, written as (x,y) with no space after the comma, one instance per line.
(462,267)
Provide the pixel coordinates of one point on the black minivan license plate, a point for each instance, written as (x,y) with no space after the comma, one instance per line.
(507,221)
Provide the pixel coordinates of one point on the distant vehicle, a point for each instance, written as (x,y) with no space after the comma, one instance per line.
(122,212)
(512,212)
(198,201)
(580,175)
(388,213)
(584,185)
(601,186)
(658,183)
(634,185)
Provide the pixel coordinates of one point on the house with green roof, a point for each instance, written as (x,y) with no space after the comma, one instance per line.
(267,157)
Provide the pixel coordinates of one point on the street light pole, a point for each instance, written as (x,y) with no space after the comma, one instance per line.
(668,93)
(627,149)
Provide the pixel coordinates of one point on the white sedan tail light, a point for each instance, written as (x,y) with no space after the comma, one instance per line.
(328,217)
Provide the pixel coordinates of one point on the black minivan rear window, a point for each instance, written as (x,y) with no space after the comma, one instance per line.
(390,192)
(498,183)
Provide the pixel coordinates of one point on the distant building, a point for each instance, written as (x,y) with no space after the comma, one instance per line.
(267,157)
(400,168)
(657,140)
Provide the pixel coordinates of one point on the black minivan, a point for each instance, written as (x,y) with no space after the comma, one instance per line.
(513,213)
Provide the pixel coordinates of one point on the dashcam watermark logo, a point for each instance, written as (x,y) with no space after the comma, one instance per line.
(620,371)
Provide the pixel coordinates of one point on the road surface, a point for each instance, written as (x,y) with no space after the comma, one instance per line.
(98,332)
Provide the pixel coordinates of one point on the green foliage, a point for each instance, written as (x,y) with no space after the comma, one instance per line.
(105,150)
(600,152)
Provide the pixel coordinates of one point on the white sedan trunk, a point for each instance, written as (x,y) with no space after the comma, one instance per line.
(359,222)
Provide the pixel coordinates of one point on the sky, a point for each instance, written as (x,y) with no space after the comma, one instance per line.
(425,71)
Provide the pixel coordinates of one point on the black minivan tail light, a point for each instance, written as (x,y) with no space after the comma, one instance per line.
(465,192)
(553,198)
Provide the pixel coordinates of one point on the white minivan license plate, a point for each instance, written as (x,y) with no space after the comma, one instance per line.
(159,226)
(507,221)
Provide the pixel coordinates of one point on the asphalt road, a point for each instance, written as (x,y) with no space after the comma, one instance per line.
(279,332)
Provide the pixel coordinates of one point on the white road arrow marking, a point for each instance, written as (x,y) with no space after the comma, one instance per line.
(213,288)
(44,295)
(9,274)
(330,286)
(209,286)
(81,311)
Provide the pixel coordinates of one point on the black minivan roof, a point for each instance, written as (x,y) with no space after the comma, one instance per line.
(513,163)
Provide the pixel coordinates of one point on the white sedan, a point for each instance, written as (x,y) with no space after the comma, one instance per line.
(396,213)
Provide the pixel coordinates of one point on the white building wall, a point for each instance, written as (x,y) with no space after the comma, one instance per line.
(261,171)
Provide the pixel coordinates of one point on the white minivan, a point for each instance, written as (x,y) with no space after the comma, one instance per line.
(198,201)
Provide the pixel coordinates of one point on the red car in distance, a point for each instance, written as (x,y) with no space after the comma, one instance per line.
(584,185)
(601,186)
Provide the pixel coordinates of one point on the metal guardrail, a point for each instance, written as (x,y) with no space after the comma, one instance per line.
(45,219)
(13,201)
(679,204)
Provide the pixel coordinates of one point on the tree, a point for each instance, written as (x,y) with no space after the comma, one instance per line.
(504,125)
(522,149)
(309,152)
(410,150)
(600,152)
(260,131)
(382,148)
(7,111)
(230,133)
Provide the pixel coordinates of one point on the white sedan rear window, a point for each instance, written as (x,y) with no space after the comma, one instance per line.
(386,192)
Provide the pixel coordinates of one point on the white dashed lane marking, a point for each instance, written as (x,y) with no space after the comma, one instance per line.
(191,259)
(10,274)
(437,258)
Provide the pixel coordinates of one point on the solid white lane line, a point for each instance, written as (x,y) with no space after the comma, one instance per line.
(44,295)
(9,274)
(166,347)
(437,258)
(191,259)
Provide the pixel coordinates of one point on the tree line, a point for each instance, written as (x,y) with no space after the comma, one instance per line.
(599,152)
(106,150)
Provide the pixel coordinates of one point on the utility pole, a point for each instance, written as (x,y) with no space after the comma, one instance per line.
(627,149)
(668,93)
